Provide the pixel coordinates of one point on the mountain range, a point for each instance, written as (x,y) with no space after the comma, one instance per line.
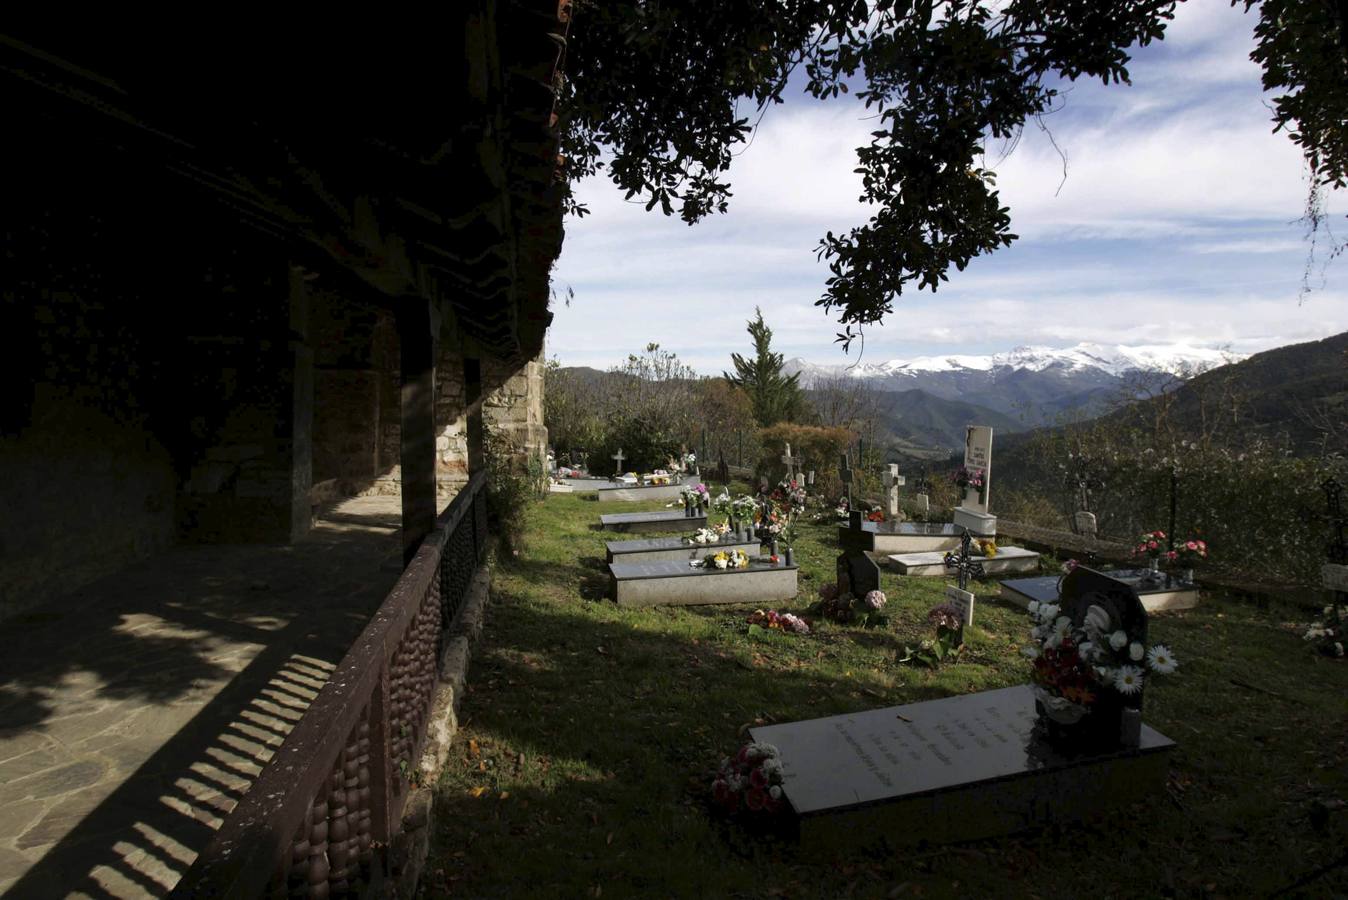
(1031,385)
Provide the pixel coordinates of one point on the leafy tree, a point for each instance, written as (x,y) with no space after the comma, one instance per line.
(654,96)
(776,397)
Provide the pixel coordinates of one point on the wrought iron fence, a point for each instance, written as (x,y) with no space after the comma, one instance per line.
(318,819)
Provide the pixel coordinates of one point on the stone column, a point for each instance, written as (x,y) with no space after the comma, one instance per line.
(472,393)
(301,407)
(417,328)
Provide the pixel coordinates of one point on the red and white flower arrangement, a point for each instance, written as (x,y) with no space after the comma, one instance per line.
(775,621)
(750,782)
(1074,666)
(1188,553)
(1150,545)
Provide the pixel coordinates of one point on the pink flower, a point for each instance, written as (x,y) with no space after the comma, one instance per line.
(1171,555)
(1191,546)
(1151,545)
(758,779)
(1161,534)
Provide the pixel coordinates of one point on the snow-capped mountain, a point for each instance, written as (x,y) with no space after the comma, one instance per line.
(1033,383)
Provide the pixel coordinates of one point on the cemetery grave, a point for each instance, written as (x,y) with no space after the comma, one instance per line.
(655,520)
(657,549)
(1158,594)
(677,583)
(630,709)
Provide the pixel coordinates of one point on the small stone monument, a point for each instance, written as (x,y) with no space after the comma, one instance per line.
(791,463)
(857,574)
(1085,522)
(892,482)
(618,457)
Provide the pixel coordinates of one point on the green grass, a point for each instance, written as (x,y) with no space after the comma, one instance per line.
(590,733)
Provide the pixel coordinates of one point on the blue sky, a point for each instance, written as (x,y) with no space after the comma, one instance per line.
(1178,223)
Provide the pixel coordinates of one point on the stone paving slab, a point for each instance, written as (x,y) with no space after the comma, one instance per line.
(136,711)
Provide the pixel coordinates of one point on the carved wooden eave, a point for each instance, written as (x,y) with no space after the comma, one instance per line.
(429,172)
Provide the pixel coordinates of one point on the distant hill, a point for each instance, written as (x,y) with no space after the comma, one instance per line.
(917,420)
(1297,394)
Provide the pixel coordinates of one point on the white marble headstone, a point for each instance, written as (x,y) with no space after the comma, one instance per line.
(1086,524)
(978,455)
(962,601)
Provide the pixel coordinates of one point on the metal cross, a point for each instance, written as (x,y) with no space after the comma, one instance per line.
(845,473)
(723,472)
(963,562)
(619,457)
(1337,547)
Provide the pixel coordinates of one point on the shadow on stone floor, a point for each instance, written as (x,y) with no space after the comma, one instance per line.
(134,713)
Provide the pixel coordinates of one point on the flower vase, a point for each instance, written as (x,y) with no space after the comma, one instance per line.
(1187,576)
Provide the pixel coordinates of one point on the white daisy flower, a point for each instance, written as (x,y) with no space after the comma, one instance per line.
(1128,680)
(1033,608)
(1118,640)
(1161,659)
(1136,651)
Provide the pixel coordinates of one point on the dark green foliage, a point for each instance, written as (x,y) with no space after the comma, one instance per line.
(776,397)
(645,443)
(512,486)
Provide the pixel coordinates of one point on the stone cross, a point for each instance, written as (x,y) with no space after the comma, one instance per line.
(892,481)
(619,457)
(845,473)
(791,462)
(963,562)
(978,455)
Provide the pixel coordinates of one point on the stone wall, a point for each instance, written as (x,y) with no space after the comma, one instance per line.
(451,423)
(515,409)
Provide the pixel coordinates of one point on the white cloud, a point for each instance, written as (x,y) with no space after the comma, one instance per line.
(1176,223)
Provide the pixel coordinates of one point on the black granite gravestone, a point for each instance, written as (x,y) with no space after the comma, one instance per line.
(857,574)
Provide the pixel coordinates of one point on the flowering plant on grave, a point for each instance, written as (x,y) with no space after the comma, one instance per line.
(694,494)
(771,523)
(744,507)
(689,461)
(1149,545)
(771,620)
(750,781)
(705,536)
(846,608)
(948,643)
(1327,635)
(1076,666)
(987,547)
(789,496)
(721,528)
(1068,566)
(1188,553)
(875,515)
(965,478)
(726,559)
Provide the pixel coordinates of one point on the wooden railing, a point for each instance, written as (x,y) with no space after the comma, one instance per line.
(319,818)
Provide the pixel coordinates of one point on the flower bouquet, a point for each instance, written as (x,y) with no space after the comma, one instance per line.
(1149,545)
(1327,635)
(1186,555)
(750,782)
(965,478)
(988,548)
(705,536)
(948,643)
(690,462)
(726,559)
(694,495)
(846,608)
(771,620)
(875,515)
(1087,673)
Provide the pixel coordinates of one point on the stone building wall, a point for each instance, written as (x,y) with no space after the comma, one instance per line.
(451,423)
(515,410)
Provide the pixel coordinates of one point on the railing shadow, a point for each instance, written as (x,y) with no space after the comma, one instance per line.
(160,693)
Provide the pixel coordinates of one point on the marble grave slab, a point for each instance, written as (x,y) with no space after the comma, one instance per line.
(1008,561)
(656,549)
(1167,594)
(659,520)
(675,583)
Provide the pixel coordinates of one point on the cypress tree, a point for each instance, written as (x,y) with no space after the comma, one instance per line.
(776,397)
